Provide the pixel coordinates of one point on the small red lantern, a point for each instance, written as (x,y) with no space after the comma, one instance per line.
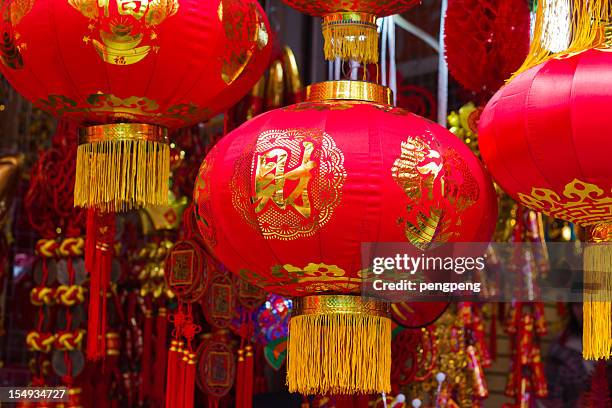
(349,26)
(286,200)
(545,137)
(149,65)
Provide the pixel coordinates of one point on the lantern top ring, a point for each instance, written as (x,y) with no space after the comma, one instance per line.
(123,131)
(354,17)
(339,304)
(349,90)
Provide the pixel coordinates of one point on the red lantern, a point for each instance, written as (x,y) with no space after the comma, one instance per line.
(349,26)
(286,200)
(154,65)
(545,138)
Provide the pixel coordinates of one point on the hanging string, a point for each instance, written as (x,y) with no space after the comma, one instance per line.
(442,70)
(337,68)
(383,50)
(392,63)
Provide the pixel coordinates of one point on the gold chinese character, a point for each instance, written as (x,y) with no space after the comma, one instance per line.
(271,177)
(134,8)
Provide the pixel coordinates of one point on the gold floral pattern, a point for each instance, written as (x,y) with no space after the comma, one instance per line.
(442,184)
(11,47)
(203,210)
(101,107)
(417,167)
(288,185)
(246,32)
(313,277)
(580,202)
(320,106)
(129,39)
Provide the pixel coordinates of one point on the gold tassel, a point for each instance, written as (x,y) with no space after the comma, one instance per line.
(350,36)
(597,306)
(122,167)
(339,344)
(587,21)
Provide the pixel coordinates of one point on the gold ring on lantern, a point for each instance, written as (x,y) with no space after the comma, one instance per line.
(122,166)
(349,90)
(123,131)
(316,305)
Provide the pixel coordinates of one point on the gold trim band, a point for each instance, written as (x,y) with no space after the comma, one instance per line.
(349,90)
(350,17)
(339,304)
(123,131)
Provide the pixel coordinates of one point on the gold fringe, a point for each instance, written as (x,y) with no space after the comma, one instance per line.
(339,353)
(120,175)
(355,39)
(597,307)
(588,21)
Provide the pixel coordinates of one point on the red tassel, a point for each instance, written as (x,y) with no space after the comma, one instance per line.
(161,356)
(90,241)
(101,229)
(240,379)
(190,372)
(145,370)
(179,382)
(248,377)
(599,395)
(172,374)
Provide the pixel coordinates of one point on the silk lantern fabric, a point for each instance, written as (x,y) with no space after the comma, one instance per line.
(170,62)
(545,137)
(287,199)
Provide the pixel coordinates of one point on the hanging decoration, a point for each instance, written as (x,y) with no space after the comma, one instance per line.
(464,124)
(349,27)
(454,377)
(216,370)
(112,67)
(539,136)
(413,355)
(485,41)
(293,186)
(10,173)
(249,298)
(59,274)
(188,276)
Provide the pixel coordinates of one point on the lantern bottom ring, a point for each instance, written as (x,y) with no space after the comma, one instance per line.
(123,131)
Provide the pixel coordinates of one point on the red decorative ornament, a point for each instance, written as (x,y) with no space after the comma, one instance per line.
(485,42)
(286,200)
(545,138)
(161,65)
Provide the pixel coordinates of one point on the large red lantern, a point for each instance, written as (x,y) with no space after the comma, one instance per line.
(287,199)
(545,137)
(150,65)
(349,26)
